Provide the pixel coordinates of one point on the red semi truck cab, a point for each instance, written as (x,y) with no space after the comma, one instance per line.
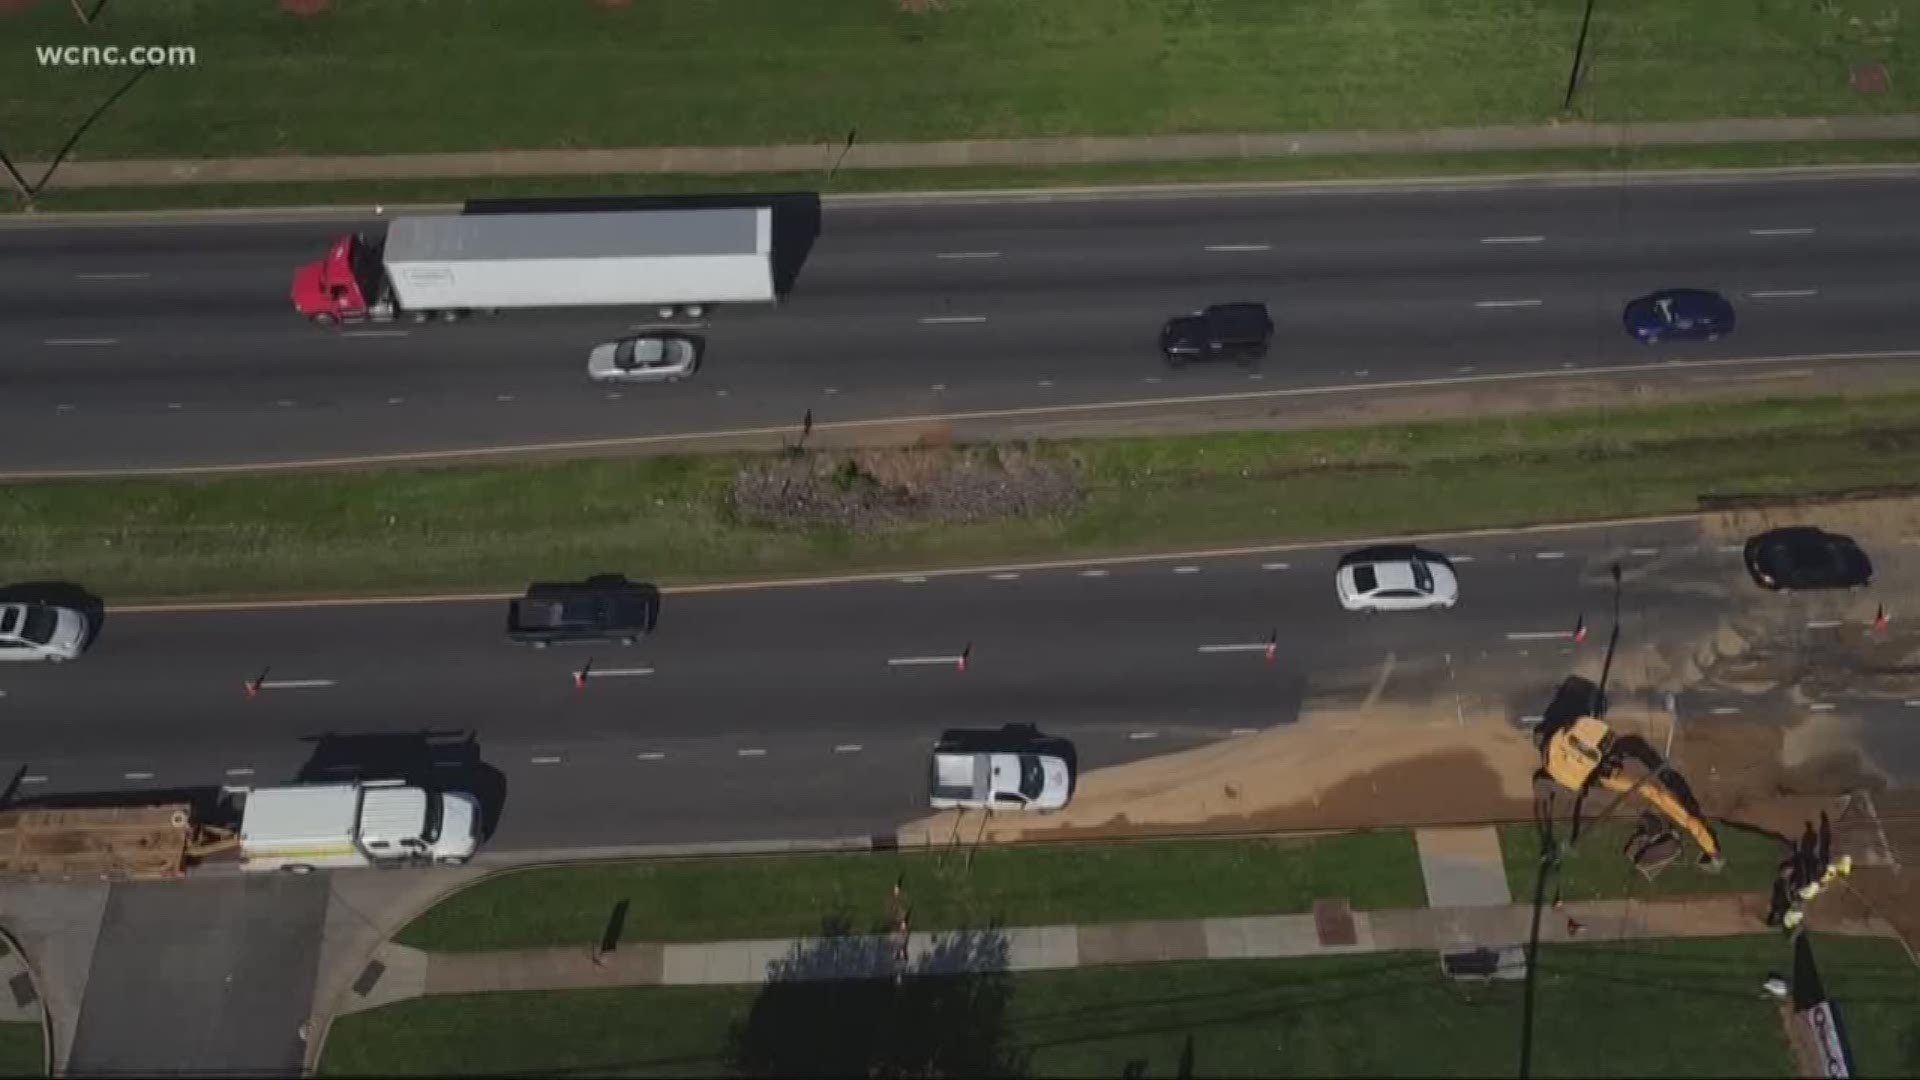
(349,284)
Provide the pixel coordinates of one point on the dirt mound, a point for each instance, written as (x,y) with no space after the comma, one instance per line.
(881,489)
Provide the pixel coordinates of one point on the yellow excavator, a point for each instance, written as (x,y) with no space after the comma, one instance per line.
(1587,753)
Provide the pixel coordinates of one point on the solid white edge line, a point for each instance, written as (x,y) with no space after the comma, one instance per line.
(1822,706)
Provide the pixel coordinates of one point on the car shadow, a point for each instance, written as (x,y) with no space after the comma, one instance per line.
(64,594)
(435,760)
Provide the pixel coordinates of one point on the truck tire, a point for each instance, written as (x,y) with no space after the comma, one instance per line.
(420,316)
(454,860)
(324,319)
(694,311)
(666,311)
(297,868)
(539,644)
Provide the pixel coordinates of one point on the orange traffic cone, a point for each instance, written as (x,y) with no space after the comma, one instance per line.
(1273,645)
(1880,619)
(961,664)
(580,677)
(1580,629)
(253,685)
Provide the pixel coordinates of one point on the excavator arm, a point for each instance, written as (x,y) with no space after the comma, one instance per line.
(1672,808)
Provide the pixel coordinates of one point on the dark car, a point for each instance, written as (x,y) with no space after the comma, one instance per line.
(1224,331)
(1803,557)
(607,608)
(1679,314)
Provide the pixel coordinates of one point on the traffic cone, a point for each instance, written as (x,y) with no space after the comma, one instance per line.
(1580,629)
(253,685)
(961,662)
(1880,619)
(580,677)
(1273,645)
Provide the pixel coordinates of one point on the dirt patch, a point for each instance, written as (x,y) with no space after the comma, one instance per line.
(1889,521)
(881,489)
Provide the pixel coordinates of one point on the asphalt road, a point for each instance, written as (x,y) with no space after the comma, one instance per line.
(161,345)
(776,713)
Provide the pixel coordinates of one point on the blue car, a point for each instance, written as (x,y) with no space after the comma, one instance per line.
(1683,314)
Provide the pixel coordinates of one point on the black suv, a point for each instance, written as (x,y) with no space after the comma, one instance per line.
(1222,332)
(1803,557)
(603,608)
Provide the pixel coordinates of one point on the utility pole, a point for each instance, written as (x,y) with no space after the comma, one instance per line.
(1579,55)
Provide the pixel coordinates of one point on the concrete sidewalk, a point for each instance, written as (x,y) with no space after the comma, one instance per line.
(722,160)
(398,973)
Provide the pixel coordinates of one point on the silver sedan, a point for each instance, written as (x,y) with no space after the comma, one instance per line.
(1395,580)
(658,356)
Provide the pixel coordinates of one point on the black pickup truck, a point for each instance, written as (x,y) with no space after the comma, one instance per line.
(600,609)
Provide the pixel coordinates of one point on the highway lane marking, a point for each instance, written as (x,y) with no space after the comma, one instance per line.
(1913,703)
(938,386)
(1511,239)
(63,408)
(1186,569)
(1549,554)
(1275,566)
(376,333)
(296,684)
(751,752)
(1780,232)
(1505,303)
(137,776)
(1004,576)
(1137,735)
(547,760)
(1244,731)
(1782,294)
(913,579)
(1822,706)
(616,673)
(1823,624)
(1539,635)
(950,320)
(82,341)
(239,772)
(968,255)
(1044,383)
(130,275)
(1732,547)
(503,397)
(1724,710)
(284,403)
(1028,411)
(915,661)
(190,608)
(1643,551)
(650,755)
(847,748)
(1221,248)
(1532,720)
(33,779)
(396,400)
(1250,646)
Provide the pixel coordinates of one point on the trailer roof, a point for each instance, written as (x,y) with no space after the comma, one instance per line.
(299,813)
(616,235)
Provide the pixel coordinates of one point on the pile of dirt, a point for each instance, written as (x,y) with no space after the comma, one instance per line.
(878,489)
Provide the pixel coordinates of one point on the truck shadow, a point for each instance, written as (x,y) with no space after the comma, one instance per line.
(435,760)
(64,594)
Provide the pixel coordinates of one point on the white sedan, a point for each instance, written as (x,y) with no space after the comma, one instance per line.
(1395,581)
(41,632)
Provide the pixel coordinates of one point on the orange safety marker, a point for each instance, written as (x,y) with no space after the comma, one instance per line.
(960,662)
(1273,645)
(253,685)
(1880,619)
(1580,629)
(580,677)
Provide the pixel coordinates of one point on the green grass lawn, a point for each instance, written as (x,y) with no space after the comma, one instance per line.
(792,896)
(22,1050)
(1661,1008)
(430,75)
(670,519)
(1333,167)
(1596,869)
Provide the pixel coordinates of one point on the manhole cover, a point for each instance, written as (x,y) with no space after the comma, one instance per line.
(1870,78)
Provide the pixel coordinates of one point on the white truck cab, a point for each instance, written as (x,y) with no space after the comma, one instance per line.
(305,827)
(976,779)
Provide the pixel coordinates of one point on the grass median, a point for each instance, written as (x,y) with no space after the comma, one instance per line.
(984,178)
(1597,869)
(674,519)
(1649,1008)
(353,77)
(796,896)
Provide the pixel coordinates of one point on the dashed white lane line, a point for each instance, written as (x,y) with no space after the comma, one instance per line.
(503,397)
(1004,575)
(950,320)
(1137,735)
(1460,558)
(1511,239)
(1549,554)
(938,386)
(1539,635)
(1913,703)
(847,748)
(63,408)
(376,333)
(913,579)
(396,400)
(33,779)
(1247,646)
(137,776)
(1239,247)
(1643,551)
(1780,232)
(1275,566)
(968,255)
(1822,706)
(1244,731)
(82,341)
(1186,569)
(920,661)
(1732,547)
(1724,710)
(618,672)
(548,760)
(1823,624)
(1506,303)
(239,772)
(1095,572)
(130,275)
(831,390)
(1044,382)
(284,403)
(650,755)
(1532,720)
(297,684)
(751,751)
(1782,294)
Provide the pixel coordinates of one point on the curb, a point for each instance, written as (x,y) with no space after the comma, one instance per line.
(1089,192)
(46,1014)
